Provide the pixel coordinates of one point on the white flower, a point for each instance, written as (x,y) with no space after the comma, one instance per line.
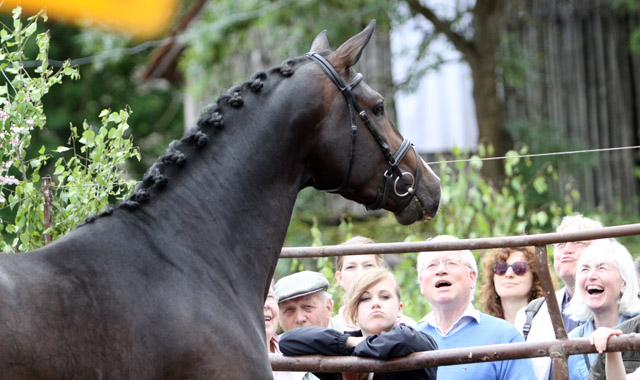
(8,180)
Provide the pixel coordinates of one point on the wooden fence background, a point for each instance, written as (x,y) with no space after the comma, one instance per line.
(582,78)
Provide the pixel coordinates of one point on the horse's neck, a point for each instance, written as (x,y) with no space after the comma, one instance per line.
(233,199)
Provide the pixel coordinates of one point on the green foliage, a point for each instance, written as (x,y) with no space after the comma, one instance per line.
(110,66)
(634,41)
(86,180)
(94,175)
(516,66)
(630,7)
(626,5)
(471,207)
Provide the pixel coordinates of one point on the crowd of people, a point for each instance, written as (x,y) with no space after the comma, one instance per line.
(599,299)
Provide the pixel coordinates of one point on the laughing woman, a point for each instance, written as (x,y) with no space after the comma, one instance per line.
(605,296)
(271,314)
(374,304)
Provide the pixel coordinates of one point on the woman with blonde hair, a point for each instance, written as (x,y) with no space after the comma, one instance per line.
(510,281)
(373,302)
(348,269)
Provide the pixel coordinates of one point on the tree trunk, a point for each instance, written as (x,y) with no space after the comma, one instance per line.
(481,54)
(487,18)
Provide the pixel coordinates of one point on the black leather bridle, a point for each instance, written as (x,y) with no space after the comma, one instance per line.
(393,159)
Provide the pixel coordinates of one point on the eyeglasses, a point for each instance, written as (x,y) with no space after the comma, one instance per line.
(448,264)
(576,244)
(519,268)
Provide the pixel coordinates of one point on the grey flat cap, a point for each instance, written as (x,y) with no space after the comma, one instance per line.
(300,284)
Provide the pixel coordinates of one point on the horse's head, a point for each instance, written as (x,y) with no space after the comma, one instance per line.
(359,153)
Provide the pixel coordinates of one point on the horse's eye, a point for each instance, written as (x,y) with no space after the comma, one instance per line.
(378,109)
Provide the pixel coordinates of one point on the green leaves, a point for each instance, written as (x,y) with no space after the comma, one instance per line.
(87,173)
(94,175)
(472,207)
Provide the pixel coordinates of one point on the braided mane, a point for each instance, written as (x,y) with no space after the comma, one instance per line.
(211,121)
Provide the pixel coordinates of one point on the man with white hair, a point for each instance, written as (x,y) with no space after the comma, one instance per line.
(304,302)
(447,280)
(537,327)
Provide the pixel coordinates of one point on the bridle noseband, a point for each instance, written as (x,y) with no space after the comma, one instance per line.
(392,159)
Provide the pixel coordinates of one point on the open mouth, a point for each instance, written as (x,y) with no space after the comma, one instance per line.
(594,289)
(267,319)
(442,283)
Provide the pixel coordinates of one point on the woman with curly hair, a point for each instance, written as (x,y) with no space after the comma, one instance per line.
(509,281)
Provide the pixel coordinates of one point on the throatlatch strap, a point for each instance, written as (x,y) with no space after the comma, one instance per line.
(346,92)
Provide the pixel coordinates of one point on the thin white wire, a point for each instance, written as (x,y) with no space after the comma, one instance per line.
(429,163)
(538,155)
(432,162)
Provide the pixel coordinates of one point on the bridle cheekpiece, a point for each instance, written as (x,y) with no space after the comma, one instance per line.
(393,160)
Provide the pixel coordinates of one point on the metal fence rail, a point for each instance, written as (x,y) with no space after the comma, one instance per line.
(482,243)
(507,351)
(559,349)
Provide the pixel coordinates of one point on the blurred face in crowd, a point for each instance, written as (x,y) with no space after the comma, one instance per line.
(311,310)
(353,267)
(565,259)
(271,314)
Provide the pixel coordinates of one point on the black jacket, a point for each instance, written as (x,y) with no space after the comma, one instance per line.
(400,341)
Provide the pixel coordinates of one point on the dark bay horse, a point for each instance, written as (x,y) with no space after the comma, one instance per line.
(170,284)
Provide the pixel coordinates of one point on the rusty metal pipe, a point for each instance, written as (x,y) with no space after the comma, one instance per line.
(481,243)
(549,293)
(509,351)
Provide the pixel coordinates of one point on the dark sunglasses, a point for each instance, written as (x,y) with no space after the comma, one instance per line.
(519,268)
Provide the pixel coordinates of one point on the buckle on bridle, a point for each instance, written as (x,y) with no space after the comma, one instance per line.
(410,190)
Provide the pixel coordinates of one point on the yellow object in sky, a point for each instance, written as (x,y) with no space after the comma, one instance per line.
(143,19)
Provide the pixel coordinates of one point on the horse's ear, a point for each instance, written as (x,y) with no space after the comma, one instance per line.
(349,52)
(320,43)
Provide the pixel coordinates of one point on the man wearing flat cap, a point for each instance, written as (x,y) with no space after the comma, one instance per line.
(303,300)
